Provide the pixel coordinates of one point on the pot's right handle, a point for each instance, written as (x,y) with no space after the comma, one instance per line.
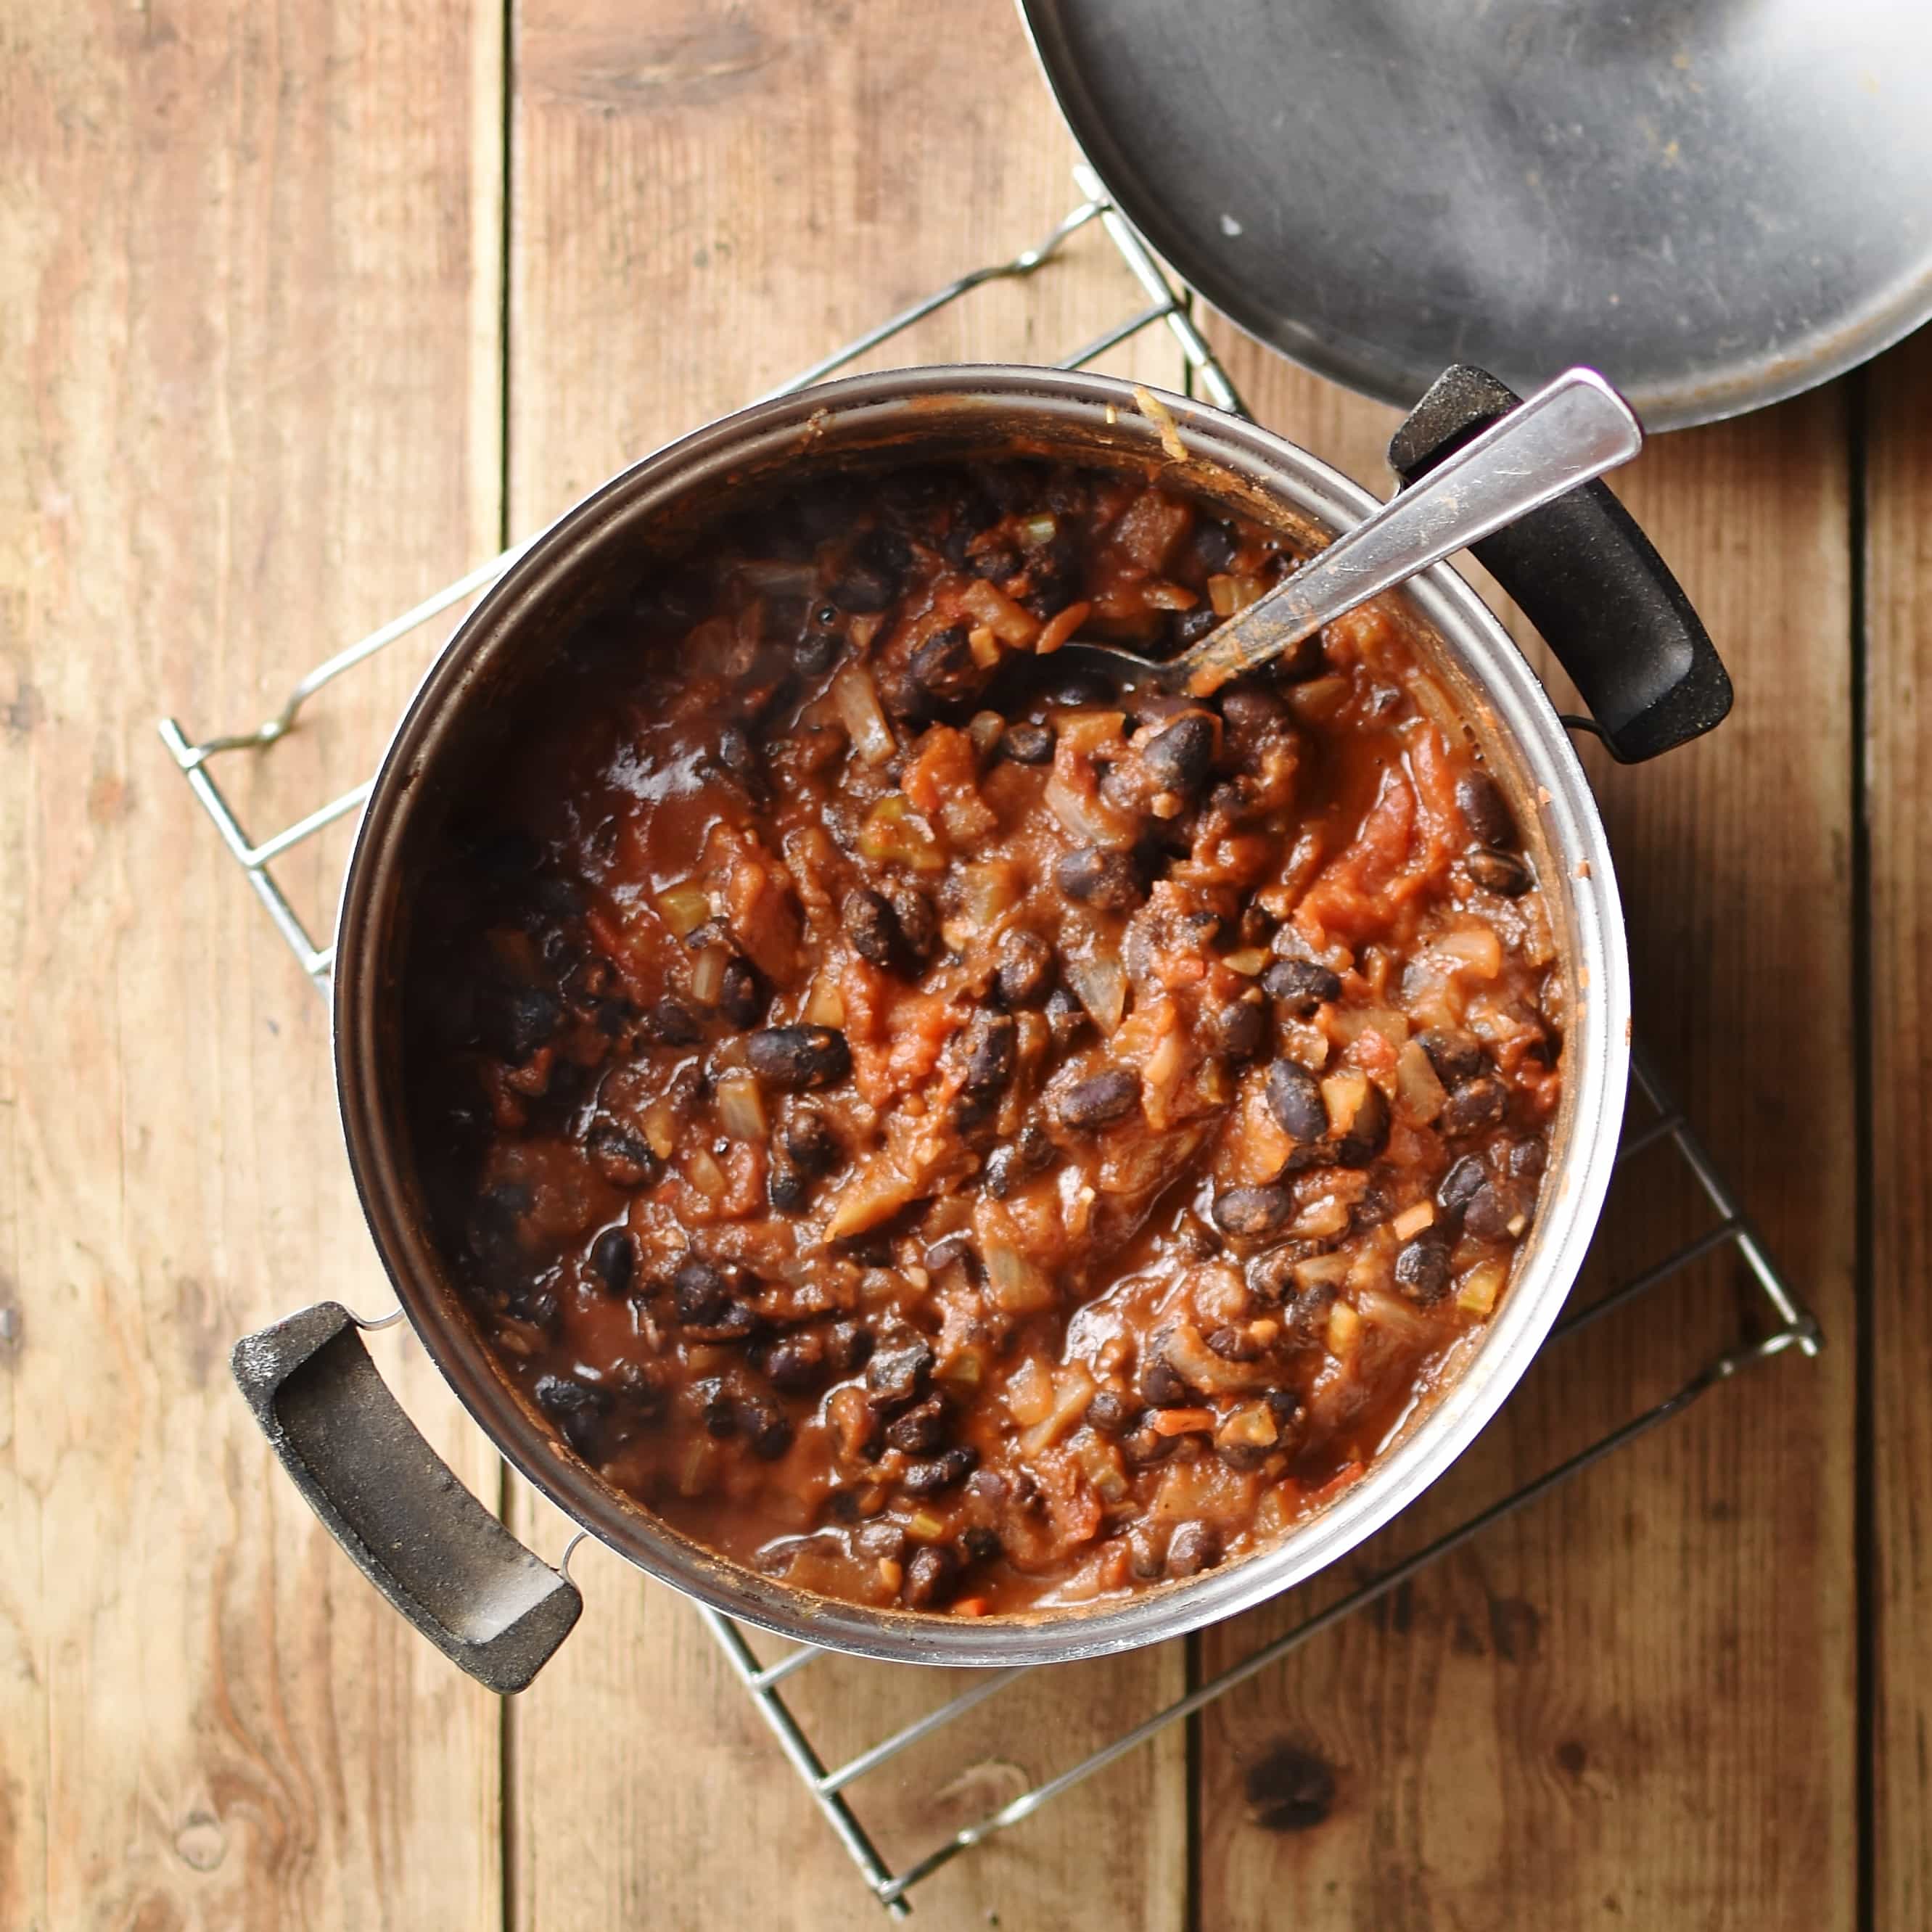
(395,1506)
(1587,577)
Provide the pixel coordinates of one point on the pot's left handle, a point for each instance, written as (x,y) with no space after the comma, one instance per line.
(412,1529)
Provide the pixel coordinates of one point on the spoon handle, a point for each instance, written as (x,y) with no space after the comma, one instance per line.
(1574,430)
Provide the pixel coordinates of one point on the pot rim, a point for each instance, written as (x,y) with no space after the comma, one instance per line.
(1596,1052)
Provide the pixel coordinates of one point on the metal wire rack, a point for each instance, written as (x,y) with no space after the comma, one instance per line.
(1791,1323)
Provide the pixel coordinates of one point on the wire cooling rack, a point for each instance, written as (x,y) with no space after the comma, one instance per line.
(1655,1121)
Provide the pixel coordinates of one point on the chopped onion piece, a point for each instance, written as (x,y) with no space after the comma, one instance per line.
(703,1173)
(684,908)
(1345,1328)
(858,701)
(1017,1285)
(1011,622)
(1038,531)
(1030,1392)
(985,730)
(1412,1221)
(893,833)
(825,1005)
(1099,982)
(1249,962)
(707,975)
(1476,1293)
(660,1129)
(741,1107)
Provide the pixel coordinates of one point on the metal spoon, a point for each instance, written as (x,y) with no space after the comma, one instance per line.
(1575,429)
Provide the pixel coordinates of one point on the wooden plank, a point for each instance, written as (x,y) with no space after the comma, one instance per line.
(247,391)
(1637,1702)
(1899,750)
(704,203)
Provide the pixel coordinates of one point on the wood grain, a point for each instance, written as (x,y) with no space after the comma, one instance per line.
(247,397)
(1635,1703)
(1898,397)
(704,202)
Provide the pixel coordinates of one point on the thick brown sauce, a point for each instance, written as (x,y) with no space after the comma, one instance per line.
(1173,1104)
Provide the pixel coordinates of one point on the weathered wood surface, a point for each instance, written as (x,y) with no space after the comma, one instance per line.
(1598,1710)
(1898,396)
(255,399)
(247,375)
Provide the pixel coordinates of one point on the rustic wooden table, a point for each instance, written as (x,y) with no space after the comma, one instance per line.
(307,309)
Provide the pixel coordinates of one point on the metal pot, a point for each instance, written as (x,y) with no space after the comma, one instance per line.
(1629,639)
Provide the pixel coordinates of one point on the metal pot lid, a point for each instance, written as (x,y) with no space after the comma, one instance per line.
(1717,202)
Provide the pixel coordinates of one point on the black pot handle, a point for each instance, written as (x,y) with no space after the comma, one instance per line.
(1588,578)
(387,1497)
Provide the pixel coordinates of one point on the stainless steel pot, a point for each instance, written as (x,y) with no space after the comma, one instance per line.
(434,1551)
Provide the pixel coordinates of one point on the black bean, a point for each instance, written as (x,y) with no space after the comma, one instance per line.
(816,651)
(700,1293)
(739,755)
(869,924)
(1161,1386)
(847,1344)
(919,923)
(1097,1102)
(885,550)
(1492,1208)
(882,1540)
(1109,1412)
(1026,969)
(1233,1344)
(527,1018)
(740,996)
(1109,881)
(1485,810)
(1214,546)
(919,1430)
(1027,744)
(1422,1268)
(1455,1057)
(899,1368)
(808,1142)
(796,1362)
(614,1255)
(1270,1275)
(622,1159)
(944,667)
(1015,1163)
(1526,1159)
(1193,1547)
(1475,1105)
(1301,984)
(1066,1017)
(992,1050)
(1179,760)
(672,1024)
(765,1427)
(787,1186)
(1294,1099)
(863,591)
(1252,1212)
(930,1576)
(1284,1405)
(995,562)
(983,1545)
(797,1058)
(1368,1132)
(941,1472)
(1235,1031)
(577,1408)
(1457,1188)
(1251,709)
(1502,873)
(1144,1443)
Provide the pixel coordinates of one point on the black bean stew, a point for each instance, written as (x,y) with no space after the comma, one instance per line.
(953,1132)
